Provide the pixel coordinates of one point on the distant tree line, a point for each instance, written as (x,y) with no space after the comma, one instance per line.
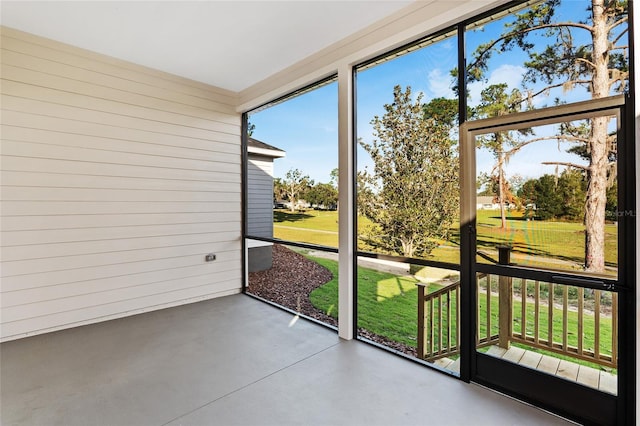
(297,186)
(561,197)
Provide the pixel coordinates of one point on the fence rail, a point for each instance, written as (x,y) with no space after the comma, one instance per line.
(438,322)
(567,320)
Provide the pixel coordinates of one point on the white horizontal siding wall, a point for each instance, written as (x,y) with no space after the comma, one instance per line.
(116,181)
(260,196)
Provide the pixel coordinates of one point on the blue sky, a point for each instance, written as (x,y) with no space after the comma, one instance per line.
(306,126)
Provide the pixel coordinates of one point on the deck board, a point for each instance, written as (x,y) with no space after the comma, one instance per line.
(496,351)
(531,359)
(588,376)
(455,366)
(443,362)
(549,364)
(608,382)
(514,354)
(568,370)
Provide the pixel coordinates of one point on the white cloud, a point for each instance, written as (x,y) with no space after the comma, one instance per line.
(509,74)
(440,84)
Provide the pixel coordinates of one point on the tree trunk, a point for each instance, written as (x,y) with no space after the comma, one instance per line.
(597,183)
(501,191)
(596,197)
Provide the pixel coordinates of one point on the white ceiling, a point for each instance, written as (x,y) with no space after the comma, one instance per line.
(228,44)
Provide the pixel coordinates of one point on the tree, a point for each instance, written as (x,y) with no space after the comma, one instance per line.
(495,102)
(334,177)
(548,200)
(279,190)
(322,195)
(571,188)
(557,197)
(411,194)
(591,53)
(295,184)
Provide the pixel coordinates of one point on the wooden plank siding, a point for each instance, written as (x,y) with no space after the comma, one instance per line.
(260,196)
(116,180)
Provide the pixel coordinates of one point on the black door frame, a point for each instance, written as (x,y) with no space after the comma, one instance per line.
(563,397)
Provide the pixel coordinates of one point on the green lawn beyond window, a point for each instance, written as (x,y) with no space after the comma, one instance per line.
(387,306)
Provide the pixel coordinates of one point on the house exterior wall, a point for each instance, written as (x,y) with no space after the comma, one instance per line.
(260,196)
(116,181)
(260,210)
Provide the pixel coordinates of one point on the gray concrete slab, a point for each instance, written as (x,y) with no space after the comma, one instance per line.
(231,361)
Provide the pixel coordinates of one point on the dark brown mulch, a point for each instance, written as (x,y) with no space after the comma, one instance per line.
(290,281)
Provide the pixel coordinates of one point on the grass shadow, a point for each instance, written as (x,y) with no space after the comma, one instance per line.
(286,216)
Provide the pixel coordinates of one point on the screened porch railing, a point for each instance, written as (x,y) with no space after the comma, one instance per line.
(555,318)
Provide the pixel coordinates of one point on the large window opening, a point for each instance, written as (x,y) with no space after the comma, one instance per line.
(291,212)
(407,197)
(527,263)
(490,243)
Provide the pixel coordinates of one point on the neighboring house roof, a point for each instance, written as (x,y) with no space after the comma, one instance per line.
(254,146)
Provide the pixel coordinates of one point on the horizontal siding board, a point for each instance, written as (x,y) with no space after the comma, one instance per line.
(260,197)
(22,282)
(128,306)
(42,222)
(116,181)
(226,162)
(71,167)
(15,238)
(22,73)
(41,251)
(170,149)
(102,80)
(16,89)
(81,295)
(50,307)
(47,109)
(62,263)
(36,179)
(58,52)
(30,208)
(56,110)
(17,193)
(70,125)
(54,306)
(43,294)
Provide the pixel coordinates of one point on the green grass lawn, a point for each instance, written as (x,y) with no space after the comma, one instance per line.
(387,306)
(386,302)
(555,245)
(311,226)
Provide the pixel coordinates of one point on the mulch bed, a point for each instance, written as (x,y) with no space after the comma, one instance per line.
(290,281)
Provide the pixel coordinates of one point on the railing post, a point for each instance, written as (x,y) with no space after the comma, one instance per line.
(421,313)
(505,296)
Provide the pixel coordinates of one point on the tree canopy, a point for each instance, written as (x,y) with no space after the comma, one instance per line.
(410,195)
(591,53)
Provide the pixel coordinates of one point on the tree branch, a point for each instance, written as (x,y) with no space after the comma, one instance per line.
(562,163)
(553,86)
(613,43)
(525,31)
(626,46)
(588,62)
(560,137)
(621,21)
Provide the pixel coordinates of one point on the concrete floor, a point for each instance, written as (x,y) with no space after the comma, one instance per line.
(231,361)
